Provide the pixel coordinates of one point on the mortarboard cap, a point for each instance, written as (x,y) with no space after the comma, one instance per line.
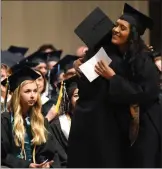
(19,76)
(9,58)
(37,57)
(94,28)
(18,50)
(62,66)
(136,18)
(54,55)
(22,63)
(66,62)
(70,60)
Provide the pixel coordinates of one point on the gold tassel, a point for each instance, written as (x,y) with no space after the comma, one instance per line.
(59,98)
(34,161)
(134,126)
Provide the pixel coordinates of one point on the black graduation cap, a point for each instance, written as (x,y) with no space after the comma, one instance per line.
(62,66)
(9,58)
(22,63)
(136,18)
(18,50)
(19,76)
(65,63)
(54,55)
(94,28)
(37,57)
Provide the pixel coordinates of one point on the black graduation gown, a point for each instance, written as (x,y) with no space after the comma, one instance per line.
(62,141)
(43,152)
(97,138)
(143,90)
(100,126)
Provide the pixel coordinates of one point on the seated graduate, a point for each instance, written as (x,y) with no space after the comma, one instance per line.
(26,135)
(62,123)
(62,70)
(53,52)
(8,61)
(41,60)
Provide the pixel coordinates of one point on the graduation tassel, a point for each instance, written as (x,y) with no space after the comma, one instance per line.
(134,125)
(34,161)
(59,98)
(64,99)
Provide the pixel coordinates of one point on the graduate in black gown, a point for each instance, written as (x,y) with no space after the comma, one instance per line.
(143,78)
(8,60)
(96,137)
(61,71)
(26,137)
(54,54)
(62,123)
(117,118)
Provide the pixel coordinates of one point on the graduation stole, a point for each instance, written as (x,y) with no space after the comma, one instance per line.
(134,125)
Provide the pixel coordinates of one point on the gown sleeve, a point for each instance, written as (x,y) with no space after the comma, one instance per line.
(142,89)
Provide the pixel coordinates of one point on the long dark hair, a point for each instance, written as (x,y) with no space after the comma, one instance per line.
(136,48)
(136,44)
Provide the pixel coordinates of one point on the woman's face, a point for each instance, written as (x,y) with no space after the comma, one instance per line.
(40,83)
(74,97)
(3,74)
(120,32)
(28,94)
(42,67)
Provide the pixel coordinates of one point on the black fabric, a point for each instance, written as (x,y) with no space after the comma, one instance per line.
(100,125)
(62,141)
(43,152)
(97,136)
(54,56)
(96,26)
(48,105)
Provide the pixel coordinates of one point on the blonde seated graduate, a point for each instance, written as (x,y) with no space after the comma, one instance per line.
(25,134)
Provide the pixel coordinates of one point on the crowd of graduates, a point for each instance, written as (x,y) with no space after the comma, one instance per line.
(52,116)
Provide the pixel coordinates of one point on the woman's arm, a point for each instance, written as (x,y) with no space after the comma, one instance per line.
(144,88)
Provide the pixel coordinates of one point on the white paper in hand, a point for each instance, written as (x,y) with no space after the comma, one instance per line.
(88,68)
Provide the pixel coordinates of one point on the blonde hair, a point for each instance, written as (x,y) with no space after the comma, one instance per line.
(7,69)
(38,129)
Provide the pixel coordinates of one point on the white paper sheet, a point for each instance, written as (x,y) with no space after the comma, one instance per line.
(88,68)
